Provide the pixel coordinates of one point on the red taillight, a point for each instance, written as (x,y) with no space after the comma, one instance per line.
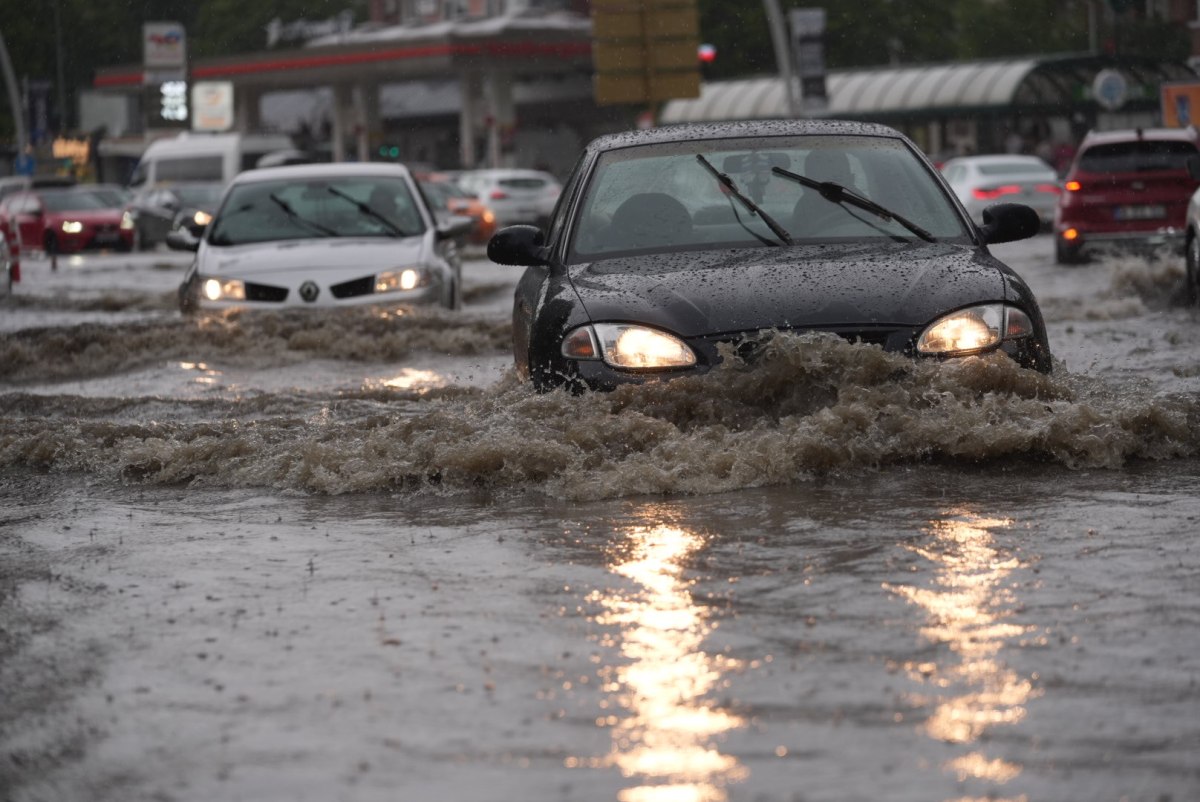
(498,194)
(995,192)
(1072,186)
(1053,188)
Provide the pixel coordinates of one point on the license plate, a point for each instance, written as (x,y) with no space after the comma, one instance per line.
(1140,212)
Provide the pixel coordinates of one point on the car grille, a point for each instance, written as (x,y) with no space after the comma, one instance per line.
(265,292)
(748,345)
(353,289)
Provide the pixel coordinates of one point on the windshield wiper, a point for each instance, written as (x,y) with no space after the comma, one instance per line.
(369,211)
(299,218)
(836,193)
(754,208)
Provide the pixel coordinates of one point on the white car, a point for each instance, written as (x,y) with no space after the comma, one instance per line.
(514,195)
(1191,280)
(980,181)
(322,235)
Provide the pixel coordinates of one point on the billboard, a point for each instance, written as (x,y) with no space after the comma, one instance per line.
(164,46)
(1181,104)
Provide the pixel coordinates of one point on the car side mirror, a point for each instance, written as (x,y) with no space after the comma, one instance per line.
(180,239)
(455,226)
(518,245)
(1009,222)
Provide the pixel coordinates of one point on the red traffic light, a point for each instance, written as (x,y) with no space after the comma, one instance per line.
(707,53)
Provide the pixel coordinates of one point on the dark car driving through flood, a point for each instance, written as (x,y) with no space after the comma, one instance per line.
(670,242)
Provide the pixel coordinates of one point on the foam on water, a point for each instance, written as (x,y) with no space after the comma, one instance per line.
(810,406)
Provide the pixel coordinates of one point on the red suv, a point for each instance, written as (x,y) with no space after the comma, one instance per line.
(1125,188)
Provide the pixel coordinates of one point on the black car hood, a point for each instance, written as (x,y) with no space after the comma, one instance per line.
(701,293)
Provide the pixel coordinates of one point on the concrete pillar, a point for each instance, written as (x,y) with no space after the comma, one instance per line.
(364,99)
(468,116)
(501,115)
(341,123)
(246,113)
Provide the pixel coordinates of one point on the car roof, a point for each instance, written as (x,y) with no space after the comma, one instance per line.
(299,172)
(684,132)
(1129,134)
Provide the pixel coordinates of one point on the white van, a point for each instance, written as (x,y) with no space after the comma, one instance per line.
(204,157)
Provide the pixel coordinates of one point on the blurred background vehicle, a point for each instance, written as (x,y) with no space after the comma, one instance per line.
(980,181)
(514,195)
(65,220)
(8,265)
(1126,189)
(20,183)
(156,210)
(113,195)
(448,196)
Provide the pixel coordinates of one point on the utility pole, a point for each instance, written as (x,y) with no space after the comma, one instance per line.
(783,56)
(14,97)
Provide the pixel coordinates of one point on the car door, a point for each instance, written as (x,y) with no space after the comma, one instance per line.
(30,219)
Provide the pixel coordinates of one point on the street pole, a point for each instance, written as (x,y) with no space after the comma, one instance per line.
(14,97)
(783,57)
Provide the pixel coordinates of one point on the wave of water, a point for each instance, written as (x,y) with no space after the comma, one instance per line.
(88,350)
(811,406)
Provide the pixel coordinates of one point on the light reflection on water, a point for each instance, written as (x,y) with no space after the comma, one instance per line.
(414,378)
(966,611)
(665,731)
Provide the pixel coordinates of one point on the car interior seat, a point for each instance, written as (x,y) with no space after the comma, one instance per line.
(647,220)
(811,211)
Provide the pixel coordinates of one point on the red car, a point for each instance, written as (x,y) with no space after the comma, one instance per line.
(64,221)
(1125,189)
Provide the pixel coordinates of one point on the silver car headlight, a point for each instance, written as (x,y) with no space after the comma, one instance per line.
(628,346)
(216,289)
(399,280)
(974,330)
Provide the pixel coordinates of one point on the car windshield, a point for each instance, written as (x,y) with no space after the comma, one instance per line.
(1132,157)
(662,197)
(69,200)
(305,208)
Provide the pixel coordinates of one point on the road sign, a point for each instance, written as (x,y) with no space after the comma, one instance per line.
(645,50)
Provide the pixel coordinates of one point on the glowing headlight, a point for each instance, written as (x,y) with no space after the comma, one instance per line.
(202,218)
(72,226)
(624,345)
(974,329)
(230,290)
(126,221)
(393,280)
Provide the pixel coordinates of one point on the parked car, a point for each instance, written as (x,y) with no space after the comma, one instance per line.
(514,195)
(157,210)
(980,181)
(322,235)
(670,242)
(446,194)
(1125,189)
(64,220)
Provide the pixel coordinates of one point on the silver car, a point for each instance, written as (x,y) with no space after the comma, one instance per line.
(514,195)
(980,181)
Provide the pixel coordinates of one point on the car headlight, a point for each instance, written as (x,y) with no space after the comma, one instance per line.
(72,226)
(624,345)
(396,280)
(202,218)
(126,221)
(974,329)
(216,289)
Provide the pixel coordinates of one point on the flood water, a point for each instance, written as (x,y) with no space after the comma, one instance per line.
(351,557)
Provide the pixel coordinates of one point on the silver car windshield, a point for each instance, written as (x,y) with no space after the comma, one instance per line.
(289,209)
(658,198)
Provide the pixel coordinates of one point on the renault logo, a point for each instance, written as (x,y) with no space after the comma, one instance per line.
(309,291)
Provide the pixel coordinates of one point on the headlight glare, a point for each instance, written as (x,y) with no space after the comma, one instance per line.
(394,280)
(126,221)
(202,218)
(974,329)
(72,227)
(641,348)
(228,290)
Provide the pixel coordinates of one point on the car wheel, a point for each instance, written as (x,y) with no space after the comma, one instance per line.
(1191,278)
(1067,254)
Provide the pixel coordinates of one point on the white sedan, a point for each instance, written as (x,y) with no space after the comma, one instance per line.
(980,181)
(514,195)
(322,235)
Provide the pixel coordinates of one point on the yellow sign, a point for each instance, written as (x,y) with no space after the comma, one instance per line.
(645,50)
(1181,104)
